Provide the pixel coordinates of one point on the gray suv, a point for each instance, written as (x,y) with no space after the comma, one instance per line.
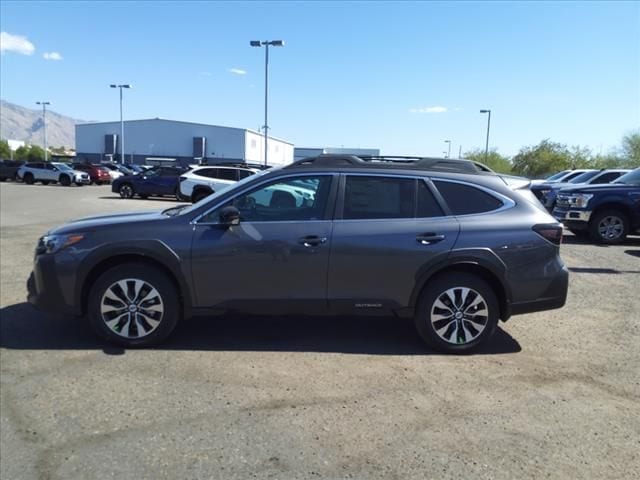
(441,241)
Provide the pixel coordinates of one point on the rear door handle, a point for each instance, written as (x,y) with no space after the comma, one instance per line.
(429,238)
(312,240)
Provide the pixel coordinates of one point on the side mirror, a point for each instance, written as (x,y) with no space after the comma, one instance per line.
(55,169)
(230,216)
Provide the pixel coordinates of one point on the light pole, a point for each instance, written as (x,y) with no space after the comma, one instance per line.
(122,159)
(44,125)
(486,148)
(448,142)
(266,44)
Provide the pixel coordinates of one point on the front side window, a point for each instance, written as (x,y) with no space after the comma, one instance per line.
(607,177)
(290,199)
(465,199)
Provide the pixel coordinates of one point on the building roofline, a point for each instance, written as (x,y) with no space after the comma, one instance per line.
(158,119)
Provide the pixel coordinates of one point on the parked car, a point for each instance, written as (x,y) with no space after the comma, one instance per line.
(114,172)
(592,177)
(438,240)
(97,174)
(541,189)
(9,169)
(52,172)
(201,182)
(157,182)
(607,213)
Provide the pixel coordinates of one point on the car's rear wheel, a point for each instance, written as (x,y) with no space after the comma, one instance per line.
(65,180)
(609,227)
(457,312)
(28,178)
(199,195)
(126,191)
(134,305)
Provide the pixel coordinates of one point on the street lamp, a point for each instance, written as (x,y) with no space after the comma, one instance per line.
(44,125)
(448,148)
(486,148)
(266,44)
(122,160)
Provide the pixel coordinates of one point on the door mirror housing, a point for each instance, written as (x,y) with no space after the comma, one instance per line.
(229,216)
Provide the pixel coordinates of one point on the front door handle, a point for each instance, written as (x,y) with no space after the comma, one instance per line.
(312,240)
(429,238)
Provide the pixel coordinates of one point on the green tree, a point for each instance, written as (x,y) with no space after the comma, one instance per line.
(544,159)
(22,153)
(5,151)
(631,149)
(36,153)
(494,160)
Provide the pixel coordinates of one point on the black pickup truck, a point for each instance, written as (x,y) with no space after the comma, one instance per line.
(607,213)
(9,169)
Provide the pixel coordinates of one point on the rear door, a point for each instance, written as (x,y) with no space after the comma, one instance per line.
(387,230)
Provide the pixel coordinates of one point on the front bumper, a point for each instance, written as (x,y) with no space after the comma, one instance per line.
(565,215)
(83,180)
(43,288)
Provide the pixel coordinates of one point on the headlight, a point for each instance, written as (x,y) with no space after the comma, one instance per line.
(55,243)
(580,200)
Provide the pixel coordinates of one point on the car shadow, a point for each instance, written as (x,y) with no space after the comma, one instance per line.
(571,239)
(24,328)
(161,199)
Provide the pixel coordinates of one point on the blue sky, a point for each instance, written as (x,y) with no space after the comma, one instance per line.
(359,74)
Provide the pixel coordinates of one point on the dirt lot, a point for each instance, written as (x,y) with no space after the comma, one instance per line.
(556,394)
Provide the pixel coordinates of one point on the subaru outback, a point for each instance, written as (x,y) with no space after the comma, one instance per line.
(441,241)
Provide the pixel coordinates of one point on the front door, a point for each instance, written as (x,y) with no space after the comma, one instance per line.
(276,259)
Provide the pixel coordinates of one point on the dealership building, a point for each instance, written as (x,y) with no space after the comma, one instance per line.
(167,142)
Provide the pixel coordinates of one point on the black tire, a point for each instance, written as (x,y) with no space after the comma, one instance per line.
(485,313)
(101,308)
(65,180)
(3,179)
(28,178)
(609,227)
(199,195)
(97,182)
(126,191)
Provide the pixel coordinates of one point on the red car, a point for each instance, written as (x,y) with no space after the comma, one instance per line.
(97,174)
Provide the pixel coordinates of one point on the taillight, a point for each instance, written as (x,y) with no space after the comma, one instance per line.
(549,231)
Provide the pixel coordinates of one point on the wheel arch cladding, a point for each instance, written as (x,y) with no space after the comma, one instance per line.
(472,267)
(111,261)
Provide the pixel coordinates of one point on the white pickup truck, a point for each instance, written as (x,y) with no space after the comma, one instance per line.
(52,172)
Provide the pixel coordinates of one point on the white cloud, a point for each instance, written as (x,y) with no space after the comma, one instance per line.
(16,44)
(237,71)
(435,109)
(51,56)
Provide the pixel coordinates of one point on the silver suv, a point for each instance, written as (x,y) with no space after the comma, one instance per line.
(52,172)
(436,240)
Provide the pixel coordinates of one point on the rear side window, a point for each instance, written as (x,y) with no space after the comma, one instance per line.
(607,177)
(244,173)
(227,174)
(465,199)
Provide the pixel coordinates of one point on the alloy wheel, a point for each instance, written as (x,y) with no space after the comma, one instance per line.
(132,308)
(459,315)
(611,227)
(126,191)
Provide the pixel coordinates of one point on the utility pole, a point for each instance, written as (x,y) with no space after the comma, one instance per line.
(44,125)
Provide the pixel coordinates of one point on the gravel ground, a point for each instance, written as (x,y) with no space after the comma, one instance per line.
(556,394)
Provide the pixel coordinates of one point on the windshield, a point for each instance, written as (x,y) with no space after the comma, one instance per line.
(583,177)
(191,208)
(558,175)
(63,166)
(631,178)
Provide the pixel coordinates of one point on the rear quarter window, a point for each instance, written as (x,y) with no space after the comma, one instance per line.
(466,199)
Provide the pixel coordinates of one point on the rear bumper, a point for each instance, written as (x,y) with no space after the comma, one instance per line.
(555,296)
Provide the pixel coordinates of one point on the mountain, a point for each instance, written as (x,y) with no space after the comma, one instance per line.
(20,123)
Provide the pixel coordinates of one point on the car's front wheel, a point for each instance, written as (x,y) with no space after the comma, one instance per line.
(457,312)
(65,180)
(134,305)
(126,191)
(609,227)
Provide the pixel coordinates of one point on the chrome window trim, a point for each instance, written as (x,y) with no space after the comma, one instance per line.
(299,174)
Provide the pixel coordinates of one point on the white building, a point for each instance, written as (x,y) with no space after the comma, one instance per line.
(300,153)
(169,141)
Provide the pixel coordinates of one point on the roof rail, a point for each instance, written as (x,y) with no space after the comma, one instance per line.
(412,163)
